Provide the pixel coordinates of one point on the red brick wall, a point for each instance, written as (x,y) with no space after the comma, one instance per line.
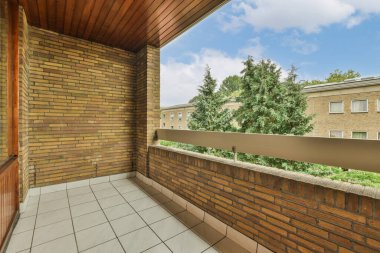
(281,213)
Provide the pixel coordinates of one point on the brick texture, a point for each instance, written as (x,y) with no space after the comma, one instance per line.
(3,81)
(147,103)
(81,109)
(23,104)
(282,214)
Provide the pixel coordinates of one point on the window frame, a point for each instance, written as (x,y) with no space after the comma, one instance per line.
(378,104)
(338,101)
(352,103)
(336,131)
(366,137)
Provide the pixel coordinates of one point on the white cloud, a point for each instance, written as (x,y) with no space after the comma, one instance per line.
(304,15)
(180,80)
(299,45)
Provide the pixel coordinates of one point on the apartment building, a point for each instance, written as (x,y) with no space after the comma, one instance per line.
(178,116)
(349,109)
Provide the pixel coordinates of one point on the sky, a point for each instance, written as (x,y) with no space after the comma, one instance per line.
(315,36)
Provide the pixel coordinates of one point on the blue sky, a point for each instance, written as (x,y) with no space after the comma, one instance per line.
(315,36)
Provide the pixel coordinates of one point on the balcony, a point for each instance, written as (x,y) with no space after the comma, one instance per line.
(81,165)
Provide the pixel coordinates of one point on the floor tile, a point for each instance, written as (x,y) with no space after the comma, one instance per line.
(52,217)
(112,246)
(65,244)
(53,196)
(135,195)
(127,188)
(173,207)
(33,200)
(121,182)
(168,228)
(187,242)
(160,248)
(30,210)
(52,231)
(111,201)
(53,205)
(139,240)
(94,236)
(80,199)
(20,242)
(101,186)
(154,214)
(25,224)
(84,208)
(105,193)
(79,191)
(227,246)
(142,204)
(188,219)
(127,224)
(207,233)
(119,211)
(89,220)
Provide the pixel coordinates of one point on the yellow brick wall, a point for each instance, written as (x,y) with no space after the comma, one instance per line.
(147,102)
(318,105)
(81,109)
(3,80)
(23,104)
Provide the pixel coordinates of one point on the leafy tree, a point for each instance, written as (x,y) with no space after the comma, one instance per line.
(340,76)
(335,76)
(209,114)
(230,85)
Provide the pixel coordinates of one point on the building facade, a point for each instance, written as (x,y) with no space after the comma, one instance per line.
(349,109)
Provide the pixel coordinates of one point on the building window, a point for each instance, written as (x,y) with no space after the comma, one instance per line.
(378,136)
(188,115)
(163,115)
(378,105)
(163,124)
(179,116)
(336,107)
(171,115)
(179,127)
(171,126)
(359,135)
(359,105)
(336,134)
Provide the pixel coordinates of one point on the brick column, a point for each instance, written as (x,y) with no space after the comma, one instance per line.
(147,103)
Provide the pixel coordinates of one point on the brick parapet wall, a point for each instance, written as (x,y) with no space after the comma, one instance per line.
(286,212)
(81,109)
(147,103)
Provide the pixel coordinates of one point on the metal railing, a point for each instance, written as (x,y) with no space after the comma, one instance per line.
(346,153)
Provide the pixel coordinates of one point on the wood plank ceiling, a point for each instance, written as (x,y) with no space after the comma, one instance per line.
(126,24)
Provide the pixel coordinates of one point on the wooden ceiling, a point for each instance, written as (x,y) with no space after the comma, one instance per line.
(126,24)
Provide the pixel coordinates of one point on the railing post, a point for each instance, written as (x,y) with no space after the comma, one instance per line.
(235,153)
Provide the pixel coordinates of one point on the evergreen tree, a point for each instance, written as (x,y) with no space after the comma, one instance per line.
(262,99)
(270,106)
(209,114)
(297,123)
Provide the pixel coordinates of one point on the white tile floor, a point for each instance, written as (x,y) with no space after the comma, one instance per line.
(113,217)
